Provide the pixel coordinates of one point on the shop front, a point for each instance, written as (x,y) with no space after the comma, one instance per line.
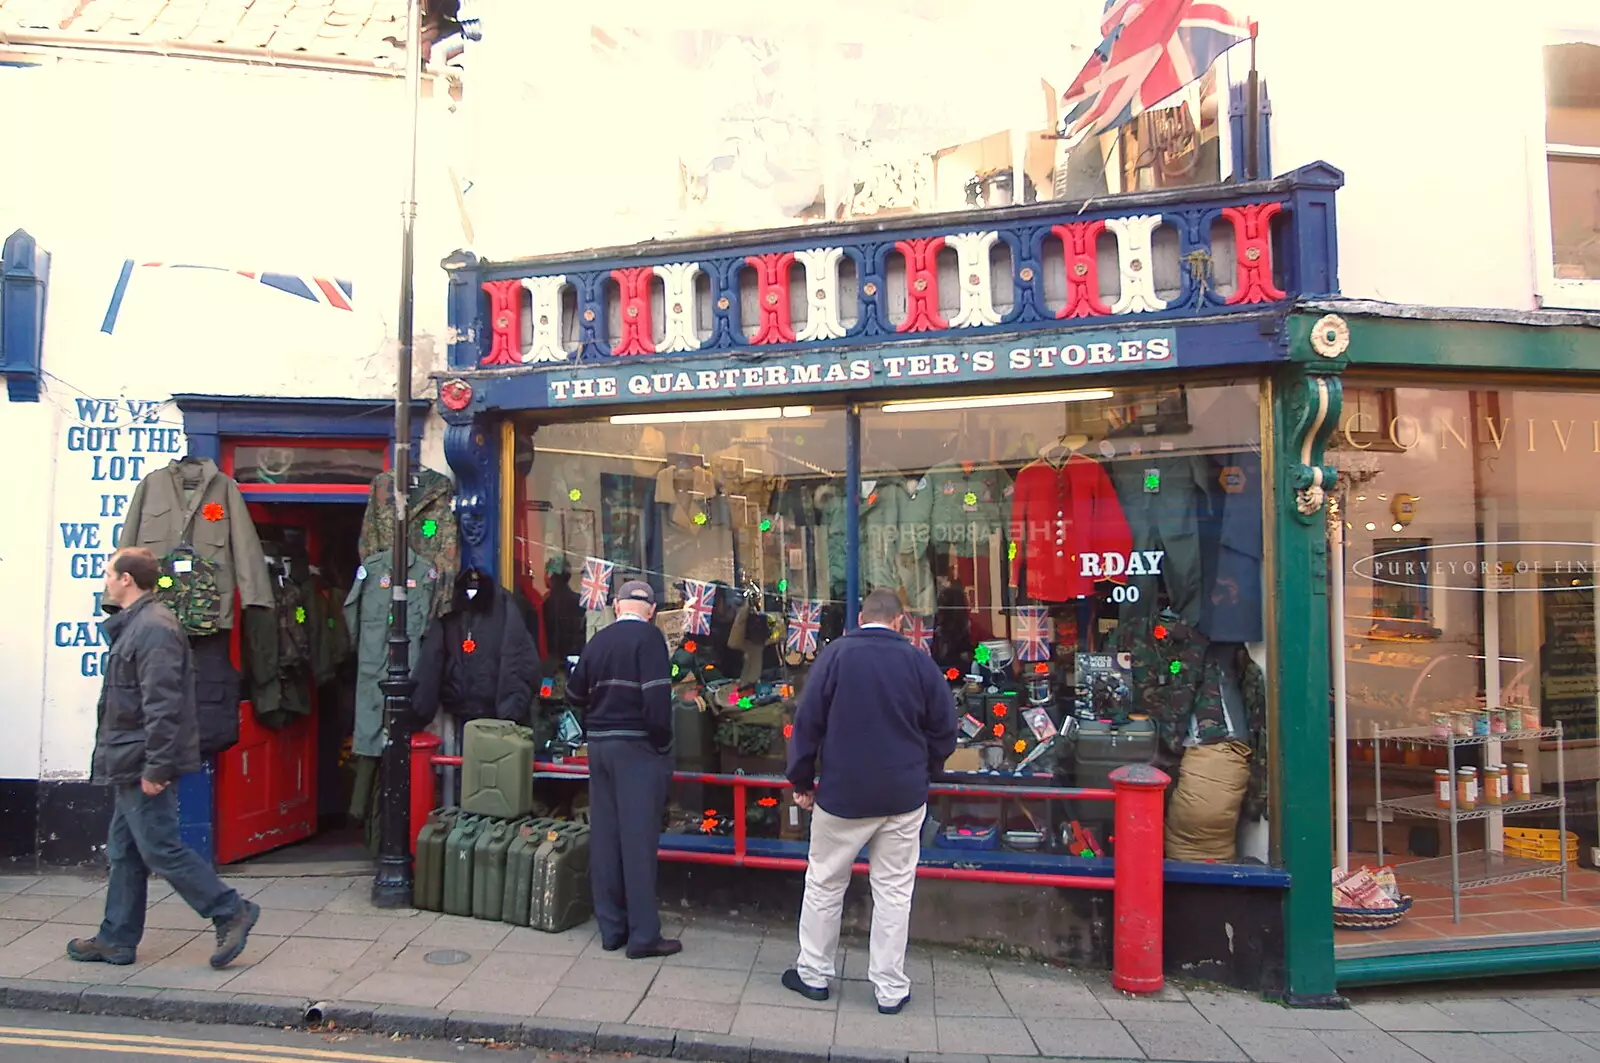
(1463,556)
(1052,430)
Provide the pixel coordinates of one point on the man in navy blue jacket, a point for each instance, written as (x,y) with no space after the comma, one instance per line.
(623,682)
(883,721)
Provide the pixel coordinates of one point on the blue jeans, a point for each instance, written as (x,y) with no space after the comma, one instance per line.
(144,841)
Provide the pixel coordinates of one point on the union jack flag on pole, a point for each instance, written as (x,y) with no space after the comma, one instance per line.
(805,625)
(1031,633)
(1151,50)
(594,589)
(920,631)
(698,601)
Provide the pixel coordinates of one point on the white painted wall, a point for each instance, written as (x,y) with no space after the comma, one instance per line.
(173,162)
(1435,112)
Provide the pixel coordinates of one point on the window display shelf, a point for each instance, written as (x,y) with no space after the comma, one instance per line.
(1479,868)
(1426,807)
(1469,870)
(1425,736)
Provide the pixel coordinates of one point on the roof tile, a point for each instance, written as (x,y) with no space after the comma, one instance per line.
(316,27)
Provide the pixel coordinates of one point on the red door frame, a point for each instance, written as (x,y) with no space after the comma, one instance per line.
(266,785)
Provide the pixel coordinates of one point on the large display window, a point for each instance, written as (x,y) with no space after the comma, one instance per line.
(1466,544)
(1085,566)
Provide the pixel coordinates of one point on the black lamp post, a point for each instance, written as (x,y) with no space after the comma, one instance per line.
(427,21)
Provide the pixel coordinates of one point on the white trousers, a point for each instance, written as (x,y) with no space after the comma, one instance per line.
(893,844)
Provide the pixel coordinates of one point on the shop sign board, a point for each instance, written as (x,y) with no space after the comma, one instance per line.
(1044,360)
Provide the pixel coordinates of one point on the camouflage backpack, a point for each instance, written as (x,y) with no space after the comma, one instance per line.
(188,586)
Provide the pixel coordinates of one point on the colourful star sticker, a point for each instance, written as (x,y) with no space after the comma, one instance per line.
(575,494)
(1020,747)
(165,583)
(1152,481)
(970,498)
(981,654)
(1011,551)
(213,511)
(699,518)
(766,525)
(783,586)
(430,528)
(469,646)
(299,614)
(1175,667)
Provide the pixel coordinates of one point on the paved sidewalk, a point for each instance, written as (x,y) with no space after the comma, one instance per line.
(320,940)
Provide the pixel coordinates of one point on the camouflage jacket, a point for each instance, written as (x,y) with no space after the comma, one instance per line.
(434,536)
(1178,681)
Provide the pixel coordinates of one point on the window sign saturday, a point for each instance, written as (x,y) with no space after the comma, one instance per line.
(1086,353)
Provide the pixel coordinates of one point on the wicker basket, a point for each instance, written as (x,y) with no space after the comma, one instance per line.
(1363,919)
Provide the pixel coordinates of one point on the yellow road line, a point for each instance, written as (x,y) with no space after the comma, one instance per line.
(177,1046)
(144,1050)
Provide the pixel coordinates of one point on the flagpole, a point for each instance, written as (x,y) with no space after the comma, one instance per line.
(1252,116)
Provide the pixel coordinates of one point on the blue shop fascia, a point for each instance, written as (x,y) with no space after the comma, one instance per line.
(1075,438)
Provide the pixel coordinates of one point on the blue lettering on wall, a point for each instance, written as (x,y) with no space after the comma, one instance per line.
(114,435)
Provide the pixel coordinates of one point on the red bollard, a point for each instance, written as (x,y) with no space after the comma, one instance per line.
(1136,944)
(423,787)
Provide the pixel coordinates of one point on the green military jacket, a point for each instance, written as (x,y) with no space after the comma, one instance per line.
(366,613)
(969,505)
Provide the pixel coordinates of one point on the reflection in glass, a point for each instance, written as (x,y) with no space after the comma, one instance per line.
(293,464)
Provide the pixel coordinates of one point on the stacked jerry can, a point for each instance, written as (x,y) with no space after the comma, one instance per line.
(491,859)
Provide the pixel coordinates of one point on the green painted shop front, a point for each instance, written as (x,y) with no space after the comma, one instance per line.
(1456,444)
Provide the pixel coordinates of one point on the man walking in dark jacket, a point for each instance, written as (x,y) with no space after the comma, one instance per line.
(623,681)
(882,718)
(147,737)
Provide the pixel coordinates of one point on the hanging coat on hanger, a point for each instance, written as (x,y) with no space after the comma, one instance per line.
(1057,515)
(213,519)
(366,612)
(478,660)
(432,523)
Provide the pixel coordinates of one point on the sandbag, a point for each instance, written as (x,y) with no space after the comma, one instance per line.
(1203,814)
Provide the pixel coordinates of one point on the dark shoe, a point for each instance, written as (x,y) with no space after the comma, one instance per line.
(896,1008)
(612,946)
(90,950)
(664,947)
(793,982)
(232,934)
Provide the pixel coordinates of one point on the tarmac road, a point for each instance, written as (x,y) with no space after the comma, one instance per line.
(42,1037)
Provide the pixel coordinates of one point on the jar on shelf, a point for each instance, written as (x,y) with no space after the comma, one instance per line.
(1441,787)
(1530,718)
(1521,783)
(1480,722)
(1439,724)
(1499,721)
(1467,789)
(1491,784)
(1413,755)
(1461,724)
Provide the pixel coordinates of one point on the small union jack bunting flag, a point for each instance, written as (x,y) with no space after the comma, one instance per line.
(594,589)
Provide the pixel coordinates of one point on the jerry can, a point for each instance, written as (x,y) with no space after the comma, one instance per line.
(489,868)
(518,885)
(561,894)
(497,769)
(458,853)
(428,893)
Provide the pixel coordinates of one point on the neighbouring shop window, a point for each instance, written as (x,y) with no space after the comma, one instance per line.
(729,516)
(300,464)
(1572,150)
(1470,548)
(1086,567)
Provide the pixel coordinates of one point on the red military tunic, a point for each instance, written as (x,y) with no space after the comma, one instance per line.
(1057,515)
